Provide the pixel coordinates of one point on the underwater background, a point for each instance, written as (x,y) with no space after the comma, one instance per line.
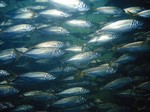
(74,56)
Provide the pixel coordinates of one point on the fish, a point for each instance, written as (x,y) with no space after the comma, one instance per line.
(54,31)
(24,16)
(53,44)
(74,91)
(7,56)
(17,31)
(125,59)
(70,6)
(118,84)
(69,102)
(43,53)
(122,26)
(103,71)
(54,13)
(65,70)
(7,91)
(84,57)
(144,86)
(133,10)
(76,49)
(38,96)
(81,83)
(41,76)
(79,23)
(144,14)
(103,38)
(23,108)
(135,47)
(110,10)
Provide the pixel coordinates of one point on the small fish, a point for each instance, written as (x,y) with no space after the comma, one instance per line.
(54,30)
(69,102)
(75,49)
(144,86)
(81,83)
(144,14)
(79,23)
(110,10)
(74,91)
(103,38)
(70,6)
(118,84)
(43,53)
(7,56)
(6,90)
(54,13)
(84,57)
(104,71)
(24,16)
(138,46)
(32,78)
(133,10)
(122,26)
(38,96)
(125,59)
(24,108)
(17,31)
(53,44)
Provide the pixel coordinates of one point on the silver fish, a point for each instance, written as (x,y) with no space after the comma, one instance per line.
(69,102)
(23,108)
(110,10)
(74,91)
(7,56)
(84,57)
(144,86)
(54,13)
(36,77)
(79,23)
(52,44)
(103,38)
(70,6)
(144,14)
(133,10)
(38,96)
(17,30)
(121,26)
(54,30)
(43,53)
(6,90)
(118,83)
(104,71)
(138,46)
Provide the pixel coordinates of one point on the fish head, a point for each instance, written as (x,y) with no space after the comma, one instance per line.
(29,28)
(82,7)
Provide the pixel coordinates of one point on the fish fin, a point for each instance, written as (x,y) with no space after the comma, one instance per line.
(19,54)
(79,75)
(130,13)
